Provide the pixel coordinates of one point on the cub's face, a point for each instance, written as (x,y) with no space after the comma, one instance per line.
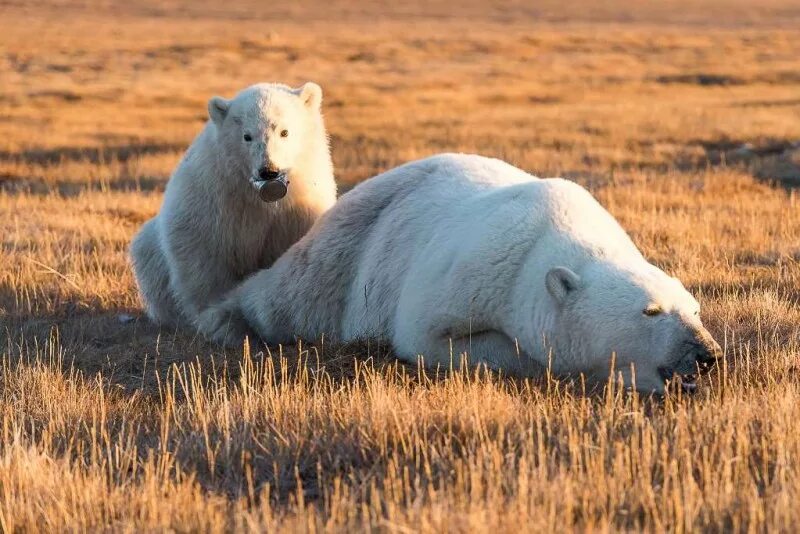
(644,318)
(265,127)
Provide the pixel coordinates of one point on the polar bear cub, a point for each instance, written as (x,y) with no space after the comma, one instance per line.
(463,253)
(249,186)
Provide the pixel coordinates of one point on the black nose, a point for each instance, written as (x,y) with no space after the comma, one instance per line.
(708,356)
(265,173)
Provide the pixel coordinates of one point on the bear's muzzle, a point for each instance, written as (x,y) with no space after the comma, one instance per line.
(707,351)
(697,355)
(272,185)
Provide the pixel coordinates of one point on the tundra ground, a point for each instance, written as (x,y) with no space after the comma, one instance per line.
(682,117)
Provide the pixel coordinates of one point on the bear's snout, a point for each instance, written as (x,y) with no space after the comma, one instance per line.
(700,353)
(707,352)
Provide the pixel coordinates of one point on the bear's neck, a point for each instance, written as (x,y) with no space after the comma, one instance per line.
(534,317)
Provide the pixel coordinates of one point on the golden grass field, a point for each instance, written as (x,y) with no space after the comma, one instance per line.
(113,425)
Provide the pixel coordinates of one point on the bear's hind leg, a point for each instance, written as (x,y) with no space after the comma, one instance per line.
(152,276)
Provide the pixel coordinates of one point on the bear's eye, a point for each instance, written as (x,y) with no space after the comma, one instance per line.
(652,309)
(247,137)
(284,133)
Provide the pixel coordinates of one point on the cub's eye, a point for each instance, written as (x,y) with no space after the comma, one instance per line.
(247,137)
(284,133)
(652,310)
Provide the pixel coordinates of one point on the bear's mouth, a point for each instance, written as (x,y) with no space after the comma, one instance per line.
(699,359)
(686,382)
(272,187)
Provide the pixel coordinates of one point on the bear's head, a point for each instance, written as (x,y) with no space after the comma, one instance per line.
(264,130)
(646,319)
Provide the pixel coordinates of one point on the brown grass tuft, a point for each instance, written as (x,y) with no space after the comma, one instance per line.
(682,117)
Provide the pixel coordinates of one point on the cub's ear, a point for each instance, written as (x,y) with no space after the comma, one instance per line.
(311,95)
(218,109)
(560,282)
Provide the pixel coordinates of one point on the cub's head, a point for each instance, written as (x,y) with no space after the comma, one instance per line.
(642,316)
(264,129)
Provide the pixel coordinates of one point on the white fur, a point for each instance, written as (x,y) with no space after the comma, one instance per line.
(213,230)
(464,253)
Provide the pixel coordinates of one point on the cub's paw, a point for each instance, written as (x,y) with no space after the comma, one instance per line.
(224,325)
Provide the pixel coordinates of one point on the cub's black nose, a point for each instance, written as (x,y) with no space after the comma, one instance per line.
(265,173)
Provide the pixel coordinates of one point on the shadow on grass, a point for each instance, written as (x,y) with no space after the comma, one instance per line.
(15,185)
(134,354)
(118,153)
(41,176)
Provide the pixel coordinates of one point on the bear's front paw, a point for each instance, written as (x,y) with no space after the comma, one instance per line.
(223,325)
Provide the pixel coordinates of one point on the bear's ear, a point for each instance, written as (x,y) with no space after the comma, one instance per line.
(311,95)
(217,109)
(560,282)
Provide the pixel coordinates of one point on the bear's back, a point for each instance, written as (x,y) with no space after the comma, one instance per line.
(576,216)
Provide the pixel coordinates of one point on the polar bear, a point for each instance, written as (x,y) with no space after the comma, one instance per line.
(461,253)
(249,186)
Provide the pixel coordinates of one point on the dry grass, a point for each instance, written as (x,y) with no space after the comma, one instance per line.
(110,425)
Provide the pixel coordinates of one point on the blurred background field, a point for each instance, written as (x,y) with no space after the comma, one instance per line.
(682,117)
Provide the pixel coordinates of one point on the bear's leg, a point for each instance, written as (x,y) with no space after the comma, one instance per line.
(249,309)
(444,346)
(493,349)
(224,323)
(152,276)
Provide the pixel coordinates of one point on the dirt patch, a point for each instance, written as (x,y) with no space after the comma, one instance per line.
(700,78)
(64,96)
(772,160)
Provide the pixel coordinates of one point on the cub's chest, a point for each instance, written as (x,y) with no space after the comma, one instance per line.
(246,236)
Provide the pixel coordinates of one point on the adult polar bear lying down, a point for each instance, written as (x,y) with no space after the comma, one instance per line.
(464,253)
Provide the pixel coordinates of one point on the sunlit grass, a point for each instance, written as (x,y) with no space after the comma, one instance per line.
(111,424)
